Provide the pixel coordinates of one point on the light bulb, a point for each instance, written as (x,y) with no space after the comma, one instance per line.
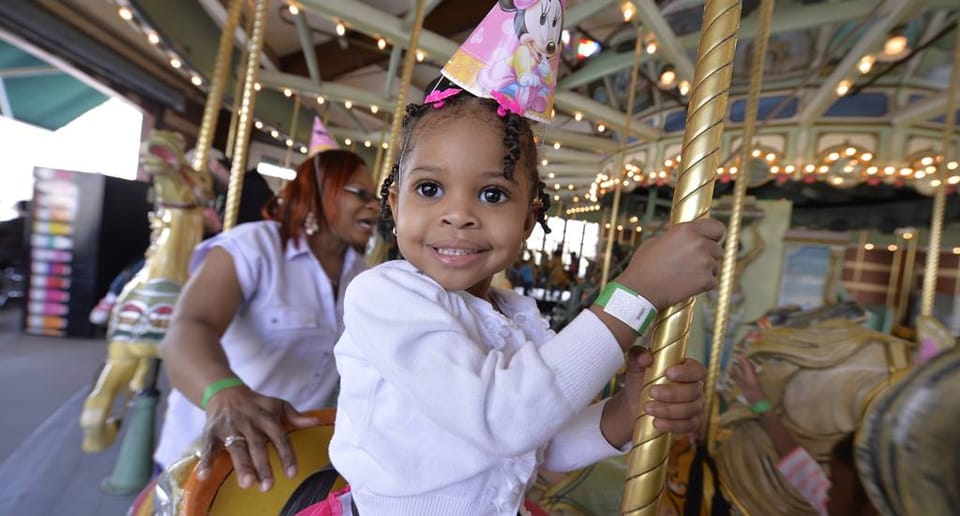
(381,43)
(341,29)
(895,45)
(843,87)
(684,87)
(866,64)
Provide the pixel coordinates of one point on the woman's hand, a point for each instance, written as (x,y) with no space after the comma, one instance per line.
(245,423)
(677,406)
(745,375)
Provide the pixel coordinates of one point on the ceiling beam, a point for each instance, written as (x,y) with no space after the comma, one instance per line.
(788,18)
(892,12)
(922,110)
(333,92)
(28,71)
(671,48)
(585,10)
(308,45)
(367,19)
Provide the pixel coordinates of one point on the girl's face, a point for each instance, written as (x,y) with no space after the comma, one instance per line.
(458,219)
(357,209)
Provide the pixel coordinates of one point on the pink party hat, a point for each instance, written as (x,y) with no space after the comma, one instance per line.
(320,139)
(512,57)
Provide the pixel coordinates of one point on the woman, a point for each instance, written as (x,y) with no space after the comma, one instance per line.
(252,335)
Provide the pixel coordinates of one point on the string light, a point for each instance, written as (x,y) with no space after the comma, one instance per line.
(347,141)
(287,92)
(578,116)
(556,145)
(293,9)
(844,87)
(153,38)
(374,109)
(341,29)
(601,128)
(125,13)
(420,56)
(257,86)
(289,142)
(258,124)
(274,133)
(628,10)
(174,62)
(381,43)
(303,149)
(684,87)
(544,162)
(367,143)
(321,100)
(868,247)
(196,80)
(348,104)
(866,64)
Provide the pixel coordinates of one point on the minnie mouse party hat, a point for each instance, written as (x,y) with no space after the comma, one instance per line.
(513,56)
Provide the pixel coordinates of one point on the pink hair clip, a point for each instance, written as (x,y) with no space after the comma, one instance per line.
(507,104)
(438,97)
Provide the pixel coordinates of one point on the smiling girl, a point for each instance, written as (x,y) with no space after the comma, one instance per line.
(454,393)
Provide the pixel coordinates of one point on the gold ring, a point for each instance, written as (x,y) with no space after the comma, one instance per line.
(231,440)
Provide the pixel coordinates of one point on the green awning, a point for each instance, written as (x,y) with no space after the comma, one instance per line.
(40,94)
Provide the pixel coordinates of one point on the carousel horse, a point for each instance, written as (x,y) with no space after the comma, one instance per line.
(789,338)
(820,369)
(140,316)
(908,449)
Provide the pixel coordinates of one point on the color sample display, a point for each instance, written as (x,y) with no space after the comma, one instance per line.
(84,229)
(56,197)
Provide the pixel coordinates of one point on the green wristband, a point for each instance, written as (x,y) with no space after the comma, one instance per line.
(626,305)
(218,386)
(761,407)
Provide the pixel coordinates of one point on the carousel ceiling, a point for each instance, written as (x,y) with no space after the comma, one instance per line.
(853,94)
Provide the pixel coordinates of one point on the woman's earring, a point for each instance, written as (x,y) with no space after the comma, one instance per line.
(394,230)
(310,226)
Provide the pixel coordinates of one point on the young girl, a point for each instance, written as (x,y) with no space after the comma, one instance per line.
(453,394)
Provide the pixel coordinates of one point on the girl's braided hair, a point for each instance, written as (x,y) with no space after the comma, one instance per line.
(517,138)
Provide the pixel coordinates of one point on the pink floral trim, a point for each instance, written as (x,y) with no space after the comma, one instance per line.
(507,104)
(438,97)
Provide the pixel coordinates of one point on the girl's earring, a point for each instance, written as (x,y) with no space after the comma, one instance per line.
(310,226)
(394,230)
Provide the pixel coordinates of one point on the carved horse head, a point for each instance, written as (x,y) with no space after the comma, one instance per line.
(176,183)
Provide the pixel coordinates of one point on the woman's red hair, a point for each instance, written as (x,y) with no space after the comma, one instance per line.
(300,196)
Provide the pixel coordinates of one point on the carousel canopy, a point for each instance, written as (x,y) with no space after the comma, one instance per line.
(853,91)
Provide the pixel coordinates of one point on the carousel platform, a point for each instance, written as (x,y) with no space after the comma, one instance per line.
(43,381)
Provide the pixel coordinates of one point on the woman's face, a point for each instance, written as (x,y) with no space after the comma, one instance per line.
(357,210)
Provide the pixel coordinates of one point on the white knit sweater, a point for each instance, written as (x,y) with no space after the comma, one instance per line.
(448,408)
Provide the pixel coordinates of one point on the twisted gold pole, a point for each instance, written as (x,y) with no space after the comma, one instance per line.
(624,139)
(208,124)
(409,60)
(646,468)
(245,120)
(728,277)
(293,132)
(940,193)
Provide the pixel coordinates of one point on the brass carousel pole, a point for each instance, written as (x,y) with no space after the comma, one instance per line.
(245,120)
(940,193)
(728,272)
(409,60)
(293,132)
(624,139)
(646,465)
(211,110)
(237,95)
